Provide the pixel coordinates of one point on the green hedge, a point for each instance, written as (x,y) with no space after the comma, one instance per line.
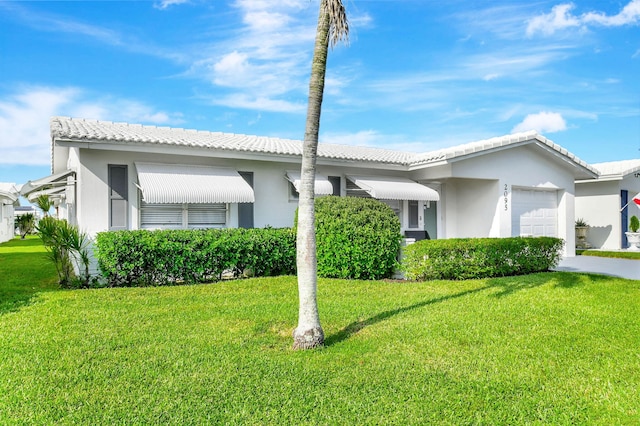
(137,258)
(458,259)
(356,238)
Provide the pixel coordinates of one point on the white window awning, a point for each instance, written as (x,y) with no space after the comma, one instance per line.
(176,184)
(322,185)
(55,192)
(54,180)
(394,188)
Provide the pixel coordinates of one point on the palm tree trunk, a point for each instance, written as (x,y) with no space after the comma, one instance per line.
(309,332)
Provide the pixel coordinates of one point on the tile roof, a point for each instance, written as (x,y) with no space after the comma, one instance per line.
(496,143)
(94,131)
(618,168)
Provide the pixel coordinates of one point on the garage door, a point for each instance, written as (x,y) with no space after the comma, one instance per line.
(534,213)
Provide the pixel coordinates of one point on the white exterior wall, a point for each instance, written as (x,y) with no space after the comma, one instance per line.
(477,191)
(470,208)
(6,220)
(271,208)
(599,203)
(273,205)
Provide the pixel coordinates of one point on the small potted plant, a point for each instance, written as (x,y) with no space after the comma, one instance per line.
(633,237)
(581,233)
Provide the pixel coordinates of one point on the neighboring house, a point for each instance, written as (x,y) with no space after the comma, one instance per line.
(8,201)
(604,203)
(110,176)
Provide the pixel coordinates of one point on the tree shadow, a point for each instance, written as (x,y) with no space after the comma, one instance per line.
(506,287)
(356,326)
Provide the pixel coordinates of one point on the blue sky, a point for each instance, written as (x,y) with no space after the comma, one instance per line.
(417,75)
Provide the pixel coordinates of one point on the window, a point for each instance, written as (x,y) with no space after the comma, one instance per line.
(336,183)
(118,197)
(293,193)
(181,216)
(413,214)
(245,210)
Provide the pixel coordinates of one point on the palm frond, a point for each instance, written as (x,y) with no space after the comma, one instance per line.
(338,22)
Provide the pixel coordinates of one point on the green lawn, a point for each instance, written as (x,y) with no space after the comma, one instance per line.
(615,254)
(25,272)
(551,348)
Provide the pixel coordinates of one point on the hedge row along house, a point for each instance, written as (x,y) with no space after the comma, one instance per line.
(112,176)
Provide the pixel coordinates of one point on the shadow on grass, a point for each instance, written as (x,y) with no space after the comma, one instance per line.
(506,286)
(356,326)
(25,272)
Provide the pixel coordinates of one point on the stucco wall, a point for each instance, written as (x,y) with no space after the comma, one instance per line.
(598,203)
(6,222)
(470,208)
(477,191)
(272,207)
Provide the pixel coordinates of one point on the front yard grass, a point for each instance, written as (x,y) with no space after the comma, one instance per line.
(614,254)
(25,272)
(549,348)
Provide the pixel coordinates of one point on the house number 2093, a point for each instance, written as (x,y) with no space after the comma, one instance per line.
(506,197)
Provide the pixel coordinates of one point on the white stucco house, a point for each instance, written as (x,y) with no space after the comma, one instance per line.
(110,176)
(605,205)
(8,200)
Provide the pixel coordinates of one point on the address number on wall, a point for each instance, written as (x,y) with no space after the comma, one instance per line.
(506,197)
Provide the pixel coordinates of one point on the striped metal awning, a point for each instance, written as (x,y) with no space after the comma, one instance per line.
(175,184)
(47,182)
(322,185)
(394,188)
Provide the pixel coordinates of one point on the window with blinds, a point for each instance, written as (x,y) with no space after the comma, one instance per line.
(180,216)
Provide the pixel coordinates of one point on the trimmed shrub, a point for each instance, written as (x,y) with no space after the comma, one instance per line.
(140,258)
(458,259)
(356,238)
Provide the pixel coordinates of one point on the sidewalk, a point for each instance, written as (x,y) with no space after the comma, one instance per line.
(625,268)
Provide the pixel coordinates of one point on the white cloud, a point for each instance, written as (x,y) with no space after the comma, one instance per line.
(165,4)
(561,18)
(265,62)
(375,139)
(246,101)
(630,14)
(56,23)
(542,122)
(24,119)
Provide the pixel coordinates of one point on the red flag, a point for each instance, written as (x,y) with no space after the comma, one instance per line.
(636,200)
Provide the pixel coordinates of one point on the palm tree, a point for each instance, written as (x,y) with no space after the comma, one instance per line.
(26,224)
(44,203)
(332,27)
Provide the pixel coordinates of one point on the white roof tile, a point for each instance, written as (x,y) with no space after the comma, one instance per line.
(618,168)
(93,131)
(73,129)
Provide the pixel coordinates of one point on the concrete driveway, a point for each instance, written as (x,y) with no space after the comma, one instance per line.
(625,268)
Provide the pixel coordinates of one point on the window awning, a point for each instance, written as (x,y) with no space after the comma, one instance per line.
(176,184)
(55,192)
(57,179)
(322,184)
(394,188)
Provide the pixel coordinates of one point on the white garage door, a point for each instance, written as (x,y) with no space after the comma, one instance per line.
(534,213)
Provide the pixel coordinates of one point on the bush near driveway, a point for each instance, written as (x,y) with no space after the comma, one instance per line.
(466,258)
